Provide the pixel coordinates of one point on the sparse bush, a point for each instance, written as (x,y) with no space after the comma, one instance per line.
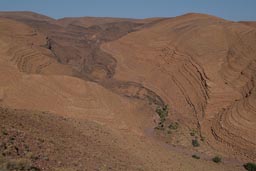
(160,127)
(193,132)
(216,159)
(195,143)
(203,139)
(31,156)
(174,125)
(4,132)
(250,166)
(18,165)
(195,156)
(162,113)
(2,160)
(64,169)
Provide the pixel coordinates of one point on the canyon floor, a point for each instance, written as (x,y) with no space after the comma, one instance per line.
(98,94)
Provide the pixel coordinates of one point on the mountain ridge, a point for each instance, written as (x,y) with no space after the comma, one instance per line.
(114,74)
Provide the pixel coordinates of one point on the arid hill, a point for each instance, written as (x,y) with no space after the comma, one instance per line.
(204,68)
(92,93)
(249,23)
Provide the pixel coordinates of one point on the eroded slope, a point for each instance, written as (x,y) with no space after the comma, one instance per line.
(204,68)
(201,66)
(84,127)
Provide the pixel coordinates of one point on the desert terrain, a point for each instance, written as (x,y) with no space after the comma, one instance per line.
(85,94)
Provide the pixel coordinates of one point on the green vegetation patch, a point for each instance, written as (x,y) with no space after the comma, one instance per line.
(216,159)
(174,125)
(195,143)
(250,166)
(162,113)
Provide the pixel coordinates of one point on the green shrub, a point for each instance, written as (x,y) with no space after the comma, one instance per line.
(159,127)
(216,159)
(195,143)
(250,166)
(174,125)
(193,132)
(195,156)
(162,113)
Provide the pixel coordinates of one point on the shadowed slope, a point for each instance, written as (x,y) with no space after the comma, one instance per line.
(85,56)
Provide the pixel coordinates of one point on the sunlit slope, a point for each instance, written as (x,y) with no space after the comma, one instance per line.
(204,68)
(49,97)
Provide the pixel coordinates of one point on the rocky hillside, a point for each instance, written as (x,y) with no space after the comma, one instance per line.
(141,94)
